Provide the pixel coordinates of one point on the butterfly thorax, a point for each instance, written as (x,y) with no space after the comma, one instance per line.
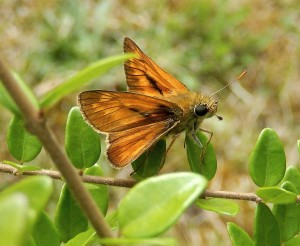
(188,102)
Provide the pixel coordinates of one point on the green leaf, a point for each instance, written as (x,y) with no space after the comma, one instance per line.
(37,190)
(29,242)
(206,167)
(276,195)
(82,143)
(266,229)
(293,242)
(20,167)
(155,204)
(98,191)
(83,239)
(44,233)
(69,219)
(22,145)
(219,205)
(27,91)
(298,145)
(293,175)
(78,80)
(14,219)
(150,163)
(100,195)
(267,163)
(288,219)
(112,219)
(287,216)
(289,186)
(95,170)
(238,236)
(7,101)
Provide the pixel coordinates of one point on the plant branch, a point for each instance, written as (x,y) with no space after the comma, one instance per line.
(233,195)
(130,183)
(5,168)
(36,124)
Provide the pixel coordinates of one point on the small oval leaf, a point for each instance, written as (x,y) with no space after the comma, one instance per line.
(267,163)
(266,229)
(100,195)
(219,205)
(154,204)
(206,167)
(289,186)
(21,168)
(69,219)
(276,195)
(293,175)
(99,192)
(82,143)
(150,163)
(22,145)
(44,233)
(293,242)
(287,215)
(238,236)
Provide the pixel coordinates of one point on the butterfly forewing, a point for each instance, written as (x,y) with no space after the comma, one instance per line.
(145,77)
(111,111)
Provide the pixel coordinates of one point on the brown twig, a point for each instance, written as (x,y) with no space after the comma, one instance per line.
(4,168)
(130,183)
(233,195)
(36,124)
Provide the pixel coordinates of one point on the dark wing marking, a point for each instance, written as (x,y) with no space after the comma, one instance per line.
(145,77)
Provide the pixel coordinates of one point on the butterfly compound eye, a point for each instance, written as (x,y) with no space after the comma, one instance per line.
(200,110)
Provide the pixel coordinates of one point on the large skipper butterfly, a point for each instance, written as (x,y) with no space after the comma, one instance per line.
(155,105)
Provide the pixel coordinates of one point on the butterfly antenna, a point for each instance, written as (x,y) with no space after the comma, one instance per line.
(238,78)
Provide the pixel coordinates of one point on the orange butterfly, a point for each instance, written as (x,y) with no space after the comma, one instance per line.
(155,105)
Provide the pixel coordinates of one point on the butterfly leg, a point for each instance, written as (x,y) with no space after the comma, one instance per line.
(207,143)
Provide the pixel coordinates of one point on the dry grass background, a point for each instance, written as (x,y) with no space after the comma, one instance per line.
(204,44)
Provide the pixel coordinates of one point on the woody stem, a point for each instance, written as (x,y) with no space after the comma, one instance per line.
(36,124)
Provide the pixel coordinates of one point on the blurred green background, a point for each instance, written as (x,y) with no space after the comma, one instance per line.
(203,43)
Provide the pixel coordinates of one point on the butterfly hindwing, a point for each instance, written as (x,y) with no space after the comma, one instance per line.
(112,111)
(145,77)
(127,146)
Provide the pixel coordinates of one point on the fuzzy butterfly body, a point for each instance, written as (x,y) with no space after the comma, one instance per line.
(155,105)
